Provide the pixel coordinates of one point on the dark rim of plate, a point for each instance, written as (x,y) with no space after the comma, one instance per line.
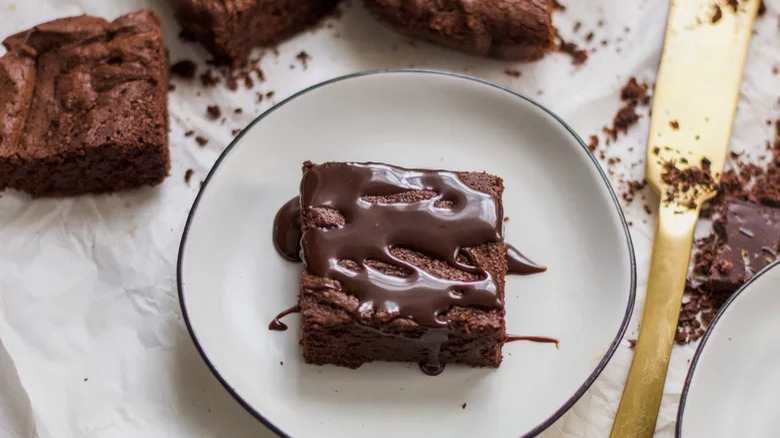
(632,289)
(700,348)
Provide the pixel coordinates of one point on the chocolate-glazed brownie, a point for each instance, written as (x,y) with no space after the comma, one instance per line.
(229,29)
(518,30)
(83,106)
(401,265)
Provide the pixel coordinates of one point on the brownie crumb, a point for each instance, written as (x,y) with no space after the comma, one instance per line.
(201,141)
(578,56)
(558,6)
(734,4)
(303,58)
(188,175)
(238,111)
(213,112)
(624,119)
(717,13)
(635,92)
(512,73)
(632,344)
(235,132)
(674,124)
(463,406)
(231,82)
(281,362)
(185,69)
(189,133)
(270,94)
(594,143)
(259,97)
(589,37)
(208,79)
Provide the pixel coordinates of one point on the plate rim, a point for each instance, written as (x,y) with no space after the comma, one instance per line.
(632,259)
(706,337)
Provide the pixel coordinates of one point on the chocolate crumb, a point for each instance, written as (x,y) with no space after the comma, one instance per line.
(589,37)
(208,79)
(185,69)
(231,82)
(717,13)
(558,6)
(513,73)
(632,343)
(235,132)
(238,111)
(674,124)
(201,141)
(635,92)
(213,112)
(463,406)
(188,175)
(656,150)
(270,94)
(578,56)
(189,133)
(304,59)
(594,143)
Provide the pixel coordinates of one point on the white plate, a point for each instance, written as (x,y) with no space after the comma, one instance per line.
(732,385)
(562,214)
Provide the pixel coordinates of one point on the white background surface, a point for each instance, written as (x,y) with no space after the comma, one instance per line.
(88,309)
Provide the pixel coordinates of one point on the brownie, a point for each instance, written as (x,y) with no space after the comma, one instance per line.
(519,30)
(83,106)
(229,29)
(747,240)
(401,265)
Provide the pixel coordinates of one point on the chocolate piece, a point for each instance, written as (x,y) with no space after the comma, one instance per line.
(229,29)
(401,265)
(83,106)
(513,30)
(748,240)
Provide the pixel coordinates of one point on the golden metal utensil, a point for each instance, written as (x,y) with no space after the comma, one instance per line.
(693,109)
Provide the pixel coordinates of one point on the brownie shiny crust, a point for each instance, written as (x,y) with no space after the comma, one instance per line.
(83,106)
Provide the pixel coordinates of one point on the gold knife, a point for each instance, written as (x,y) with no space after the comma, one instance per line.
(695,99)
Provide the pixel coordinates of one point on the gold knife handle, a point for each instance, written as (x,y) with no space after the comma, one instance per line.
(638,410)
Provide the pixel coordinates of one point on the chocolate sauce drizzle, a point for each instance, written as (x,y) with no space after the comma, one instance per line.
(518,264)
(279,326)
(371,230)
(540,339)
(442,226)
(287,230)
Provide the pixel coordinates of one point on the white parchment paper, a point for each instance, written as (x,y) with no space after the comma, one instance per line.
(92,342)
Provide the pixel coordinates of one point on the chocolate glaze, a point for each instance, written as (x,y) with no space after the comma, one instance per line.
(279,326)
(443,226)
(371,230)
(517,263)
(287,230)
(540,339)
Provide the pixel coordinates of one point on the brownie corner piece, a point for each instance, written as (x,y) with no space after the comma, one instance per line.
(404,303)
(84,106)
(230,29)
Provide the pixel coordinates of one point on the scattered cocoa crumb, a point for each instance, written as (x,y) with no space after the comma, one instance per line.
(635,92)
(463,406)
(685,184)
(647,209)
(259,97)
(594,143)
(674,124)
(513,73)
(201,141)
(589,37)
(185,69)
(213,112)
(208,79)
(558,6)
(188,175)
(231,82)
(270,94)
(632,343)
(624,119)
(304,59)
(189,133)
(235,132)
(577,26)
(281,362)
(717,13)
(238,111)
(506,219)
(578,56)
(656,150)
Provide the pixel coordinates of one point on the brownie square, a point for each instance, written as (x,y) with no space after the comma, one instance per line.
(401,265)
(747,240)
(83,106)
(229,29)
(519,30)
